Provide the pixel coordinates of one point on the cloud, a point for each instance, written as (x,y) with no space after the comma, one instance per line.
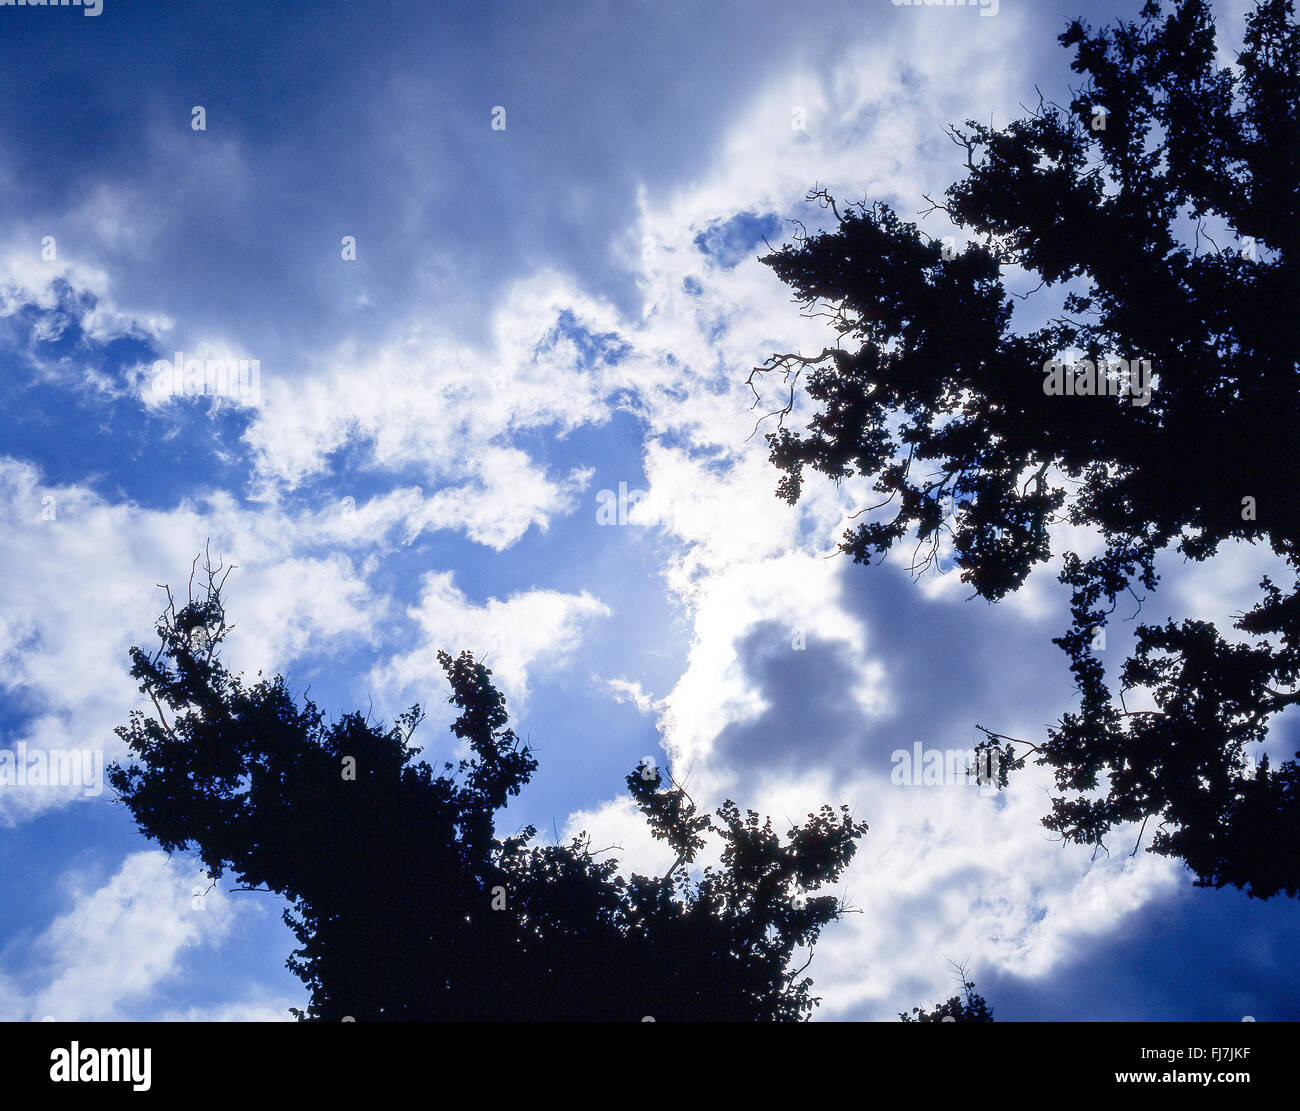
(619,826)
(257,1009)
(29,279)
(500,309)
(424,404)
(121,940)
(511,636)
(627,691)
(79,591)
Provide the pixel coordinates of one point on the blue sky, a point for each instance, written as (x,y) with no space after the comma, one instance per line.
(534,315)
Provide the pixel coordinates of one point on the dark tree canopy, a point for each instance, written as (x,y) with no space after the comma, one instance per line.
(1158,214)
(969,1006)
(405,902)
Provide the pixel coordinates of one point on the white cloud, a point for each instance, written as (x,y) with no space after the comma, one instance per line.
(123,939)
(257,1009)
(625,690)
(510,636)
(618,825)
(424,403)
(26,278)
(79,590)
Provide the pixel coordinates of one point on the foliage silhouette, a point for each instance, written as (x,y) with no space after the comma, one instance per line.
(970,1006)
(406,904)
(932,392)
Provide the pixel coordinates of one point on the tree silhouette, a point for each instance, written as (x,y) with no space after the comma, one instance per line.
(969,1006)
(407,905)
(1111,203)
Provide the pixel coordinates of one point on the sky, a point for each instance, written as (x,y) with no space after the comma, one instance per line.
(492,272)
